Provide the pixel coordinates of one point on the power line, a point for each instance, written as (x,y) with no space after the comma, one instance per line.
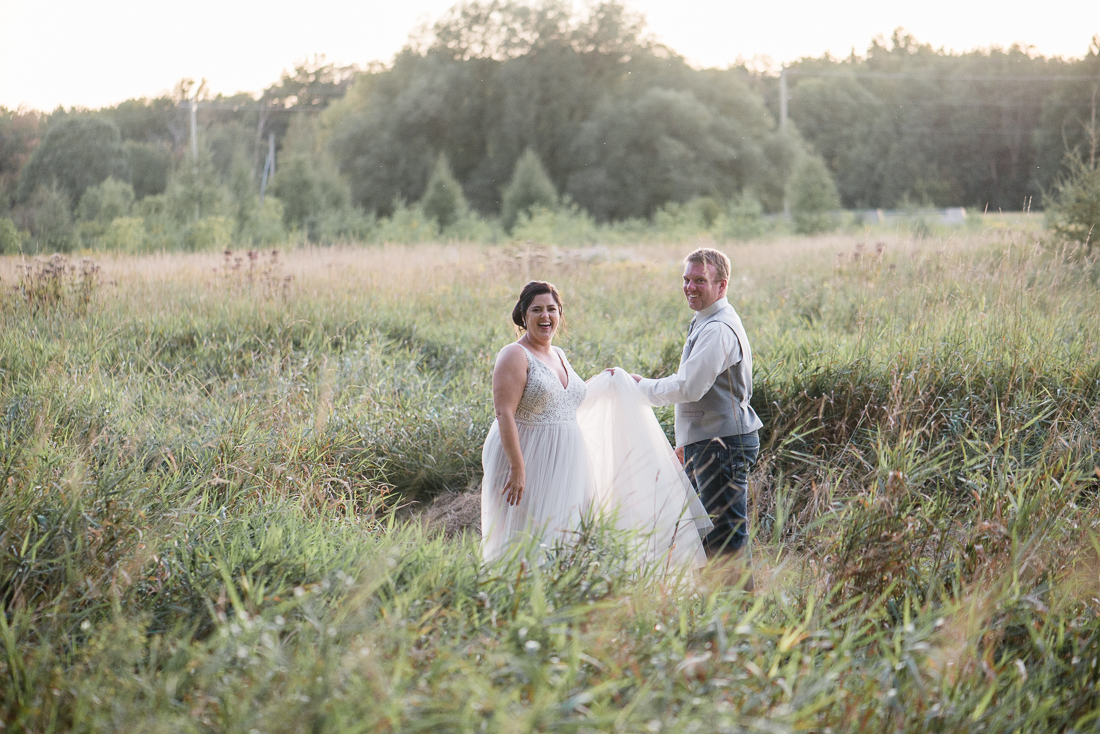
(948,77)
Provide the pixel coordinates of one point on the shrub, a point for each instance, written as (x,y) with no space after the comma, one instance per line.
(678,221)
(813,196)
(563,226)
(531,189)
(209,233)
(10,240)
(162,232)
(345,224)
(266,227)
(745,218)
(51,221)
(709,210)
(105,201)
(124,234)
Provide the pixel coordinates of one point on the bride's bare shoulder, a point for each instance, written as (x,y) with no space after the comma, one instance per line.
(512,356)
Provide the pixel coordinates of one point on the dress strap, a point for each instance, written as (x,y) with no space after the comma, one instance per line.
(560,354)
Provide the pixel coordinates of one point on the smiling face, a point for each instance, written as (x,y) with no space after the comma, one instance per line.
(701,285)
(542,318)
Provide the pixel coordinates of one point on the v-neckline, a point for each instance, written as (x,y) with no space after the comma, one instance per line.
(568,378)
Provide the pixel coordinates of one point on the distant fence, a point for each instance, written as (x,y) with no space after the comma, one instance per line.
(950,215)
(954,215)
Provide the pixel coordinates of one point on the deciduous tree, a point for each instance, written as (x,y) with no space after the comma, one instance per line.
(78,151)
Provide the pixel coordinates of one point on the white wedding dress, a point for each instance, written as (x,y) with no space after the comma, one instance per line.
(606,457)
(637,481)
(557,489)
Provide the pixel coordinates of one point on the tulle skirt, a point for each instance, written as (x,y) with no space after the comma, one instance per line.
(613,463)
(636,479)
(555,495)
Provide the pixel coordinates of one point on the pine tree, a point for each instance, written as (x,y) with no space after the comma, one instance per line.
(530,189)
(1073,209)
(443,200)
(813,196)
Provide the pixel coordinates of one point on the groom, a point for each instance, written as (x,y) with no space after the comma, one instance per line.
(716,428)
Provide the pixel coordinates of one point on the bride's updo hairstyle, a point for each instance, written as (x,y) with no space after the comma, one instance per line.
(532,289)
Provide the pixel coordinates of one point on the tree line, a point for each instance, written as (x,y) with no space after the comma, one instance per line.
(501,108)
(907,123)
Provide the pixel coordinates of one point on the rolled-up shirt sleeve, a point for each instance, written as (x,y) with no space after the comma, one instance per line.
(716,349)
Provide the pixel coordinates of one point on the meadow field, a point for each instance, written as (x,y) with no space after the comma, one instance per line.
(224,483)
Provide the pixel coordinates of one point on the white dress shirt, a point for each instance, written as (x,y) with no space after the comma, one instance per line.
(715,349)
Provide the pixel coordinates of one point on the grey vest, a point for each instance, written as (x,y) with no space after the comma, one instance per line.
(724,410)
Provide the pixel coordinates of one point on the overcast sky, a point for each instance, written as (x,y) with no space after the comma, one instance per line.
(93,53)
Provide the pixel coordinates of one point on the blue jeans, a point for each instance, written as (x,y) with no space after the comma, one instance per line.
(719,469)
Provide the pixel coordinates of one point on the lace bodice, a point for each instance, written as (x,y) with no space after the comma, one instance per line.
(544,400)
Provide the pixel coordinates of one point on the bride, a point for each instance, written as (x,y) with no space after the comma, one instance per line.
(552,456)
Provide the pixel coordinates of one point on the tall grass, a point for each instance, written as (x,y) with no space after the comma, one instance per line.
(208,474)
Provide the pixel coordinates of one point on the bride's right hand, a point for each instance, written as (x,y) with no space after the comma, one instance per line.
(513,488)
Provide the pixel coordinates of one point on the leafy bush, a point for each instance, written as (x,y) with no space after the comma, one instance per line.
(410,224)
(530,190)
(684,220)
(709,210)
(51,222)
(813,196)
(124,234)
(744,218)
(161,229)
(209,233)
(347,224)
(678,220)
(105,201)
(567,225)
(10,241)
(266,226)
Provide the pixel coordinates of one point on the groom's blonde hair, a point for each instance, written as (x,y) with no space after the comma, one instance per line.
(707,256)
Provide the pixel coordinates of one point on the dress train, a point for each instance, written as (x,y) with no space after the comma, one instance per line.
(636,481)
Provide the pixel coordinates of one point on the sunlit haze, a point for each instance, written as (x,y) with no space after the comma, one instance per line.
(93,54)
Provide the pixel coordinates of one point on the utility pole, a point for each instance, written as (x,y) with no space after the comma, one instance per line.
(194,136)
(269,165)
(782,127)
(259,137)
(195,150)
(783,98)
